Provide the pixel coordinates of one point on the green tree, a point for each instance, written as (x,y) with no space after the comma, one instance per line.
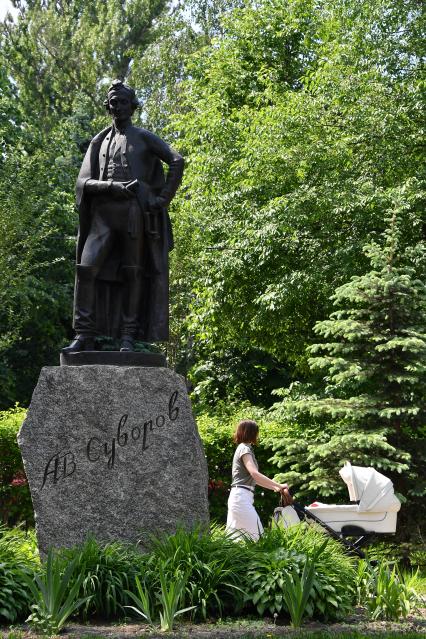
(38,224)
(159,73)
(300,121)
(57,50)
(372,407)
(57,59)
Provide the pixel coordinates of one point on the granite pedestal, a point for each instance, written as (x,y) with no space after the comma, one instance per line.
(113,452)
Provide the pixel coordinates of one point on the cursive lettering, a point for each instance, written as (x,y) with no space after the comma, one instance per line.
(173,409)
(59,467)
(89,449)
(63,464)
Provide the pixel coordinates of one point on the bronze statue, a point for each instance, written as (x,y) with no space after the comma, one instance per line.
(121,287)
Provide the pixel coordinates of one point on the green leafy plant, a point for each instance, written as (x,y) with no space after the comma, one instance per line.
(108,572)
(265,579)
(17,557)
(297,589)
(55,596)
(210,583)
(284,551)
(390,596)
(170,597)
(214,563)
(142,600)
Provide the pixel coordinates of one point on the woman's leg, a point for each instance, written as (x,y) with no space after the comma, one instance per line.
(242,516)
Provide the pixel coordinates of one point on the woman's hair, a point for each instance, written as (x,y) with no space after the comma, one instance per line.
(247,432)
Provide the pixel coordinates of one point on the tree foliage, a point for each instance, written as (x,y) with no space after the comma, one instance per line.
(373,403)
(57,59)
(302,127)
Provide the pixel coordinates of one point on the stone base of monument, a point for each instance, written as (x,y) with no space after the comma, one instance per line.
(112,358)
(112,452)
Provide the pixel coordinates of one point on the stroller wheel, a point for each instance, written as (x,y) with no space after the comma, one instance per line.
(352,531)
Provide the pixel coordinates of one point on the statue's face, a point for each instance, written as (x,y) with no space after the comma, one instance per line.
(120,106)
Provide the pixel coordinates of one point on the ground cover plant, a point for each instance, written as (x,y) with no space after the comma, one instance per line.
(284,552)
(18,558)
(291,573)
(107,571)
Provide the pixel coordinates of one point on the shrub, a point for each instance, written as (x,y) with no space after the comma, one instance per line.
(18,557)
(107,571)
(216,433)
(285,551)
(15,499)
(385,590)
(214,565)
(55,596)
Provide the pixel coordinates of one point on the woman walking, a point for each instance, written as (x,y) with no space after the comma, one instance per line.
(242,515)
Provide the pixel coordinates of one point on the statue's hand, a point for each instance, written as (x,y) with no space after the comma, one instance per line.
(120,191)
(156,202)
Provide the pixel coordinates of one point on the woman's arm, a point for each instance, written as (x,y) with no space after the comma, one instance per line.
(260,479)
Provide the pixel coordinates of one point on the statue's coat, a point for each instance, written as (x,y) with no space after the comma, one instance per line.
(147,168)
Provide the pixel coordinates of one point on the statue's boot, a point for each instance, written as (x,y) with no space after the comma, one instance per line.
(127,344)
(130,306)
(80,343)
(84,313)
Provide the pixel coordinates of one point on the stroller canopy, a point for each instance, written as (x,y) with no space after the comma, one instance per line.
(371,489)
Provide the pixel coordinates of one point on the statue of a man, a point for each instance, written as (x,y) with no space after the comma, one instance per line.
(125,235)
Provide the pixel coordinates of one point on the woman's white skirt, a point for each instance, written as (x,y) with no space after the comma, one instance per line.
(242,516)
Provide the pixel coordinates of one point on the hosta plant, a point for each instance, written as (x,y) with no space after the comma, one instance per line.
(285,551)
(265,579)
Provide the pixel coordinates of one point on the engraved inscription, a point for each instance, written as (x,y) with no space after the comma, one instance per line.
(173,409)
(59,467)
(64,464)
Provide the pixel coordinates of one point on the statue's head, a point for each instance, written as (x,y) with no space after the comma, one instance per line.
(120,92)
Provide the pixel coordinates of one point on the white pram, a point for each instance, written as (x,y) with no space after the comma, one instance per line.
(374,512)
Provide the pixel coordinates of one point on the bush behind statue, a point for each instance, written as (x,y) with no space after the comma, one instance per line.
(18,556)
(15,499)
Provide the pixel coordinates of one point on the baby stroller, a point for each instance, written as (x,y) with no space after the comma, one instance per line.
(372,513)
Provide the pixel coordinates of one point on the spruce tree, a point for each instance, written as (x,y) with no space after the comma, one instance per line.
(371,410)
